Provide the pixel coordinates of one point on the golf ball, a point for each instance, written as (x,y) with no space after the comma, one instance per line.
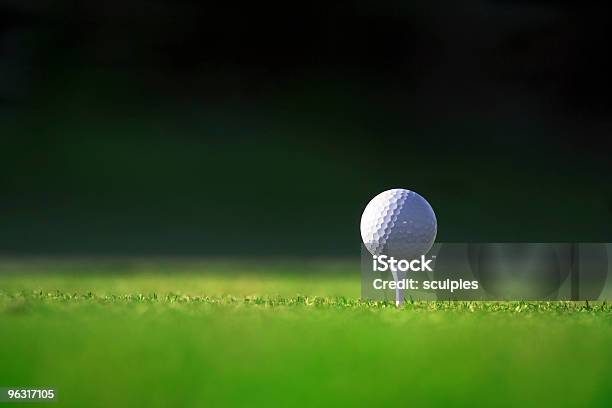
(398,223)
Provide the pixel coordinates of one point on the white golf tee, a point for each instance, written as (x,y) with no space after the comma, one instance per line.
(399,293)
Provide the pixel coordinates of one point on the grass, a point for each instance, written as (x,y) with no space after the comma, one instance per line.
(186,333)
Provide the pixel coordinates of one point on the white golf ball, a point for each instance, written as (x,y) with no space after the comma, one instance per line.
(398,223)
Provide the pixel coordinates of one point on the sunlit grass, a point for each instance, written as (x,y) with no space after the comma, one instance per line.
(285,334)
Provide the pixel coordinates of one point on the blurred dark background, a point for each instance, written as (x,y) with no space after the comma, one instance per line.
(230,128)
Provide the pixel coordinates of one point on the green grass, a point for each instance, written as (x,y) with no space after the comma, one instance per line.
(185,333)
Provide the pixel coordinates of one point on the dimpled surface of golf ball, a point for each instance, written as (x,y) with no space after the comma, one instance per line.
(398,223)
